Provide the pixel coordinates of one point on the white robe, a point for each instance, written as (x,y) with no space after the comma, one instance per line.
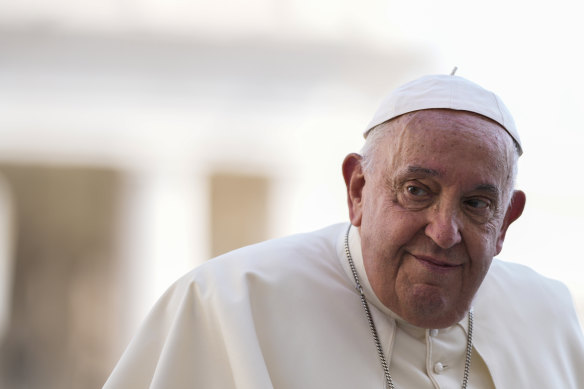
(285,314)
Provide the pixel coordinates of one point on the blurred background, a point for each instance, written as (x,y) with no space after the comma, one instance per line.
(138,138)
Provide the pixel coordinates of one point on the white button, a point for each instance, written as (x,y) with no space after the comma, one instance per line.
(438,368)
(433,332)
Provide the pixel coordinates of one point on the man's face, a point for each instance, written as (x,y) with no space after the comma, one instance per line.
(432,212)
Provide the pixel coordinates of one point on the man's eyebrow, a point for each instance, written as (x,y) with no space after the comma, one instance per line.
(489,188)
(423,170)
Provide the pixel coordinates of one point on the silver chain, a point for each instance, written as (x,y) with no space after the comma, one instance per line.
(384,364)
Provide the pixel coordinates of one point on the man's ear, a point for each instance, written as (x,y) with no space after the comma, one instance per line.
(514,210)
(355,181)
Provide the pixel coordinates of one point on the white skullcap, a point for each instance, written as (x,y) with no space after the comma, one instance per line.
(445,91)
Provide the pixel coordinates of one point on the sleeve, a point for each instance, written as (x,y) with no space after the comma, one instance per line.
(178,346)
(527,330)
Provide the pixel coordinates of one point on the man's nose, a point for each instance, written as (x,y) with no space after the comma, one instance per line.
(444,226)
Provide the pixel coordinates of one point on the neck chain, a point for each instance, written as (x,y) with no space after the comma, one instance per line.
(384,364)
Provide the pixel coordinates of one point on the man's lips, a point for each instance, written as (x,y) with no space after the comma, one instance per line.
(435,262)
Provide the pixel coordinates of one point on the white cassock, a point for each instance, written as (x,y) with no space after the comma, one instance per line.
(285,314)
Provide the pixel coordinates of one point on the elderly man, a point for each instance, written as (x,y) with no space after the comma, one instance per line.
(406,296)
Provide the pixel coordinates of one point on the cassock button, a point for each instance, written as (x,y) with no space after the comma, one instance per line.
(438,368)
(433,332)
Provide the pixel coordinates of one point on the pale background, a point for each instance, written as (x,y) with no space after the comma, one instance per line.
(138,138)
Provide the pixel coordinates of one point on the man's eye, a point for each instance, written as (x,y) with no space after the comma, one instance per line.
(416,191)
(477,203)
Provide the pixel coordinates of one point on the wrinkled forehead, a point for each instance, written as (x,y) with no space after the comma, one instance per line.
(461,127)
(445,135)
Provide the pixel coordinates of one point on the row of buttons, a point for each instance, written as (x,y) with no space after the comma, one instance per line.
(438,366)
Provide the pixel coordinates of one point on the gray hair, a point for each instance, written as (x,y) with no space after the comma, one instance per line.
(374,138)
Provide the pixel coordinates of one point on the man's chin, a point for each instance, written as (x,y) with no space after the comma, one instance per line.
(429,307)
